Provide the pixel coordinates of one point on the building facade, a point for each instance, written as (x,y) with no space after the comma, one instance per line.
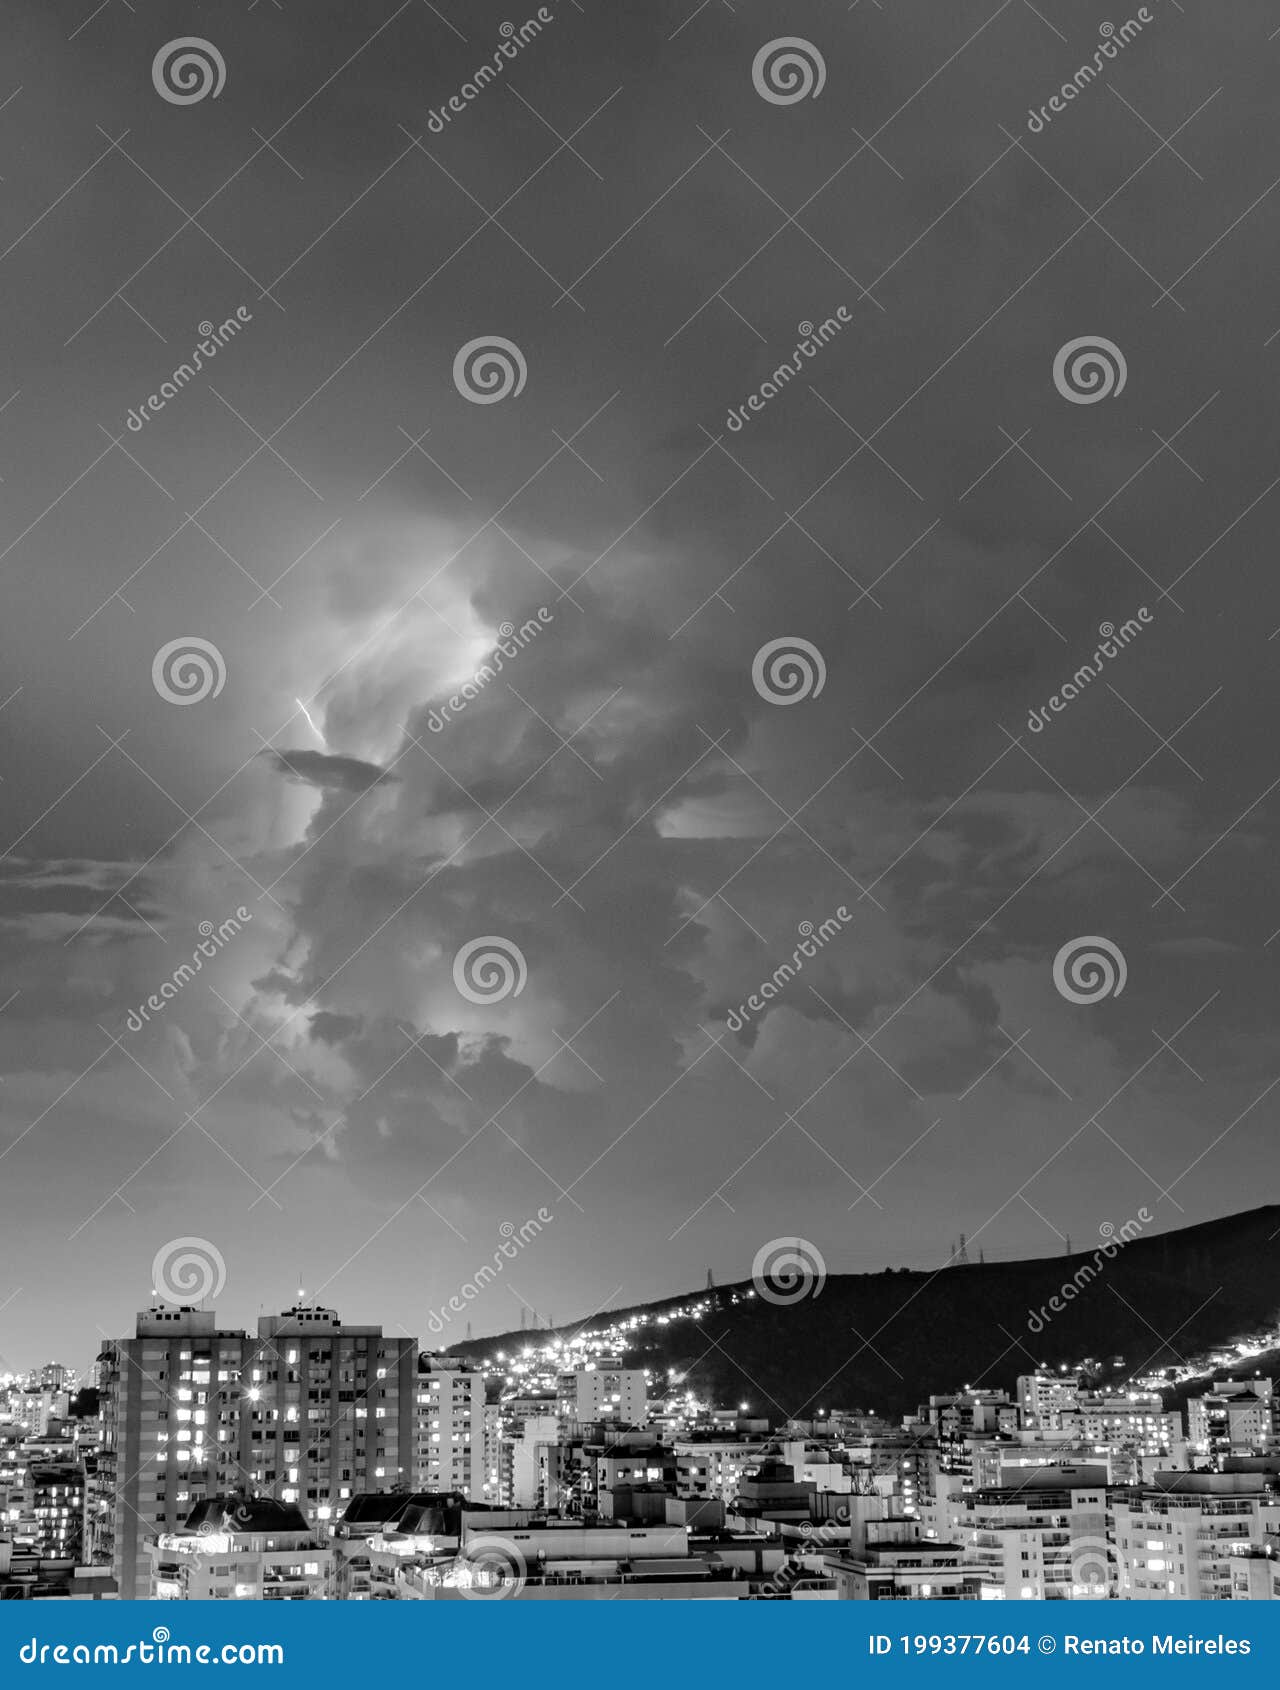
(236,1549)
(449,1429)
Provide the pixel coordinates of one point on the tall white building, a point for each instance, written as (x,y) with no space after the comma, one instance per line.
(537,1463)
(1043,1396)
(169,1416)
(327,1410)
(450,1429)
(308,1412)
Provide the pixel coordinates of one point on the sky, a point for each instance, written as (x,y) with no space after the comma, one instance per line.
(645,811)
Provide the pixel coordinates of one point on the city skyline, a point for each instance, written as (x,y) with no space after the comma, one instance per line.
(320,1460)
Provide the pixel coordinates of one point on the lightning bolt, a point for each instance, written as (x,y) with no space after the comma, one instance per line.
(310,723)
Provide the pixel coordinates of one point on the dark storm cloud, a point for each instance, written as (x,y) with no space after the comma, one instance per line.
(68,888)
(318,768)
(277,983)
(333,1029)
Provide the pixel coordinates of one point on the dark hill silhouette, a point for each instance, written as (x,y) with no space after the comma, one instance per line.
(887,1341)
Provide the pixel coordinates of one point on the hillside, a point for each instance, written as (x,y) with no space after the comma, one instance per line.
(886,1341)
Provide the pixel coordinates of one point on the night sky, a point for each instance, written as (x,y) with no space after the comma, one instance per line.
(623,806)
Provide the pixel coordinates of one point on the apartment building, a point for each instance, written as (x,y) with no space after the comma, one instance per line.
(168,1417)
(895,1562)
(1233,1417)
(604,1391)
(1181,1538)
(307,1412)
(715,1467)
(1042,1397)
(239,1549)
(325,1410)
(449,1428)
(1044,1538)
